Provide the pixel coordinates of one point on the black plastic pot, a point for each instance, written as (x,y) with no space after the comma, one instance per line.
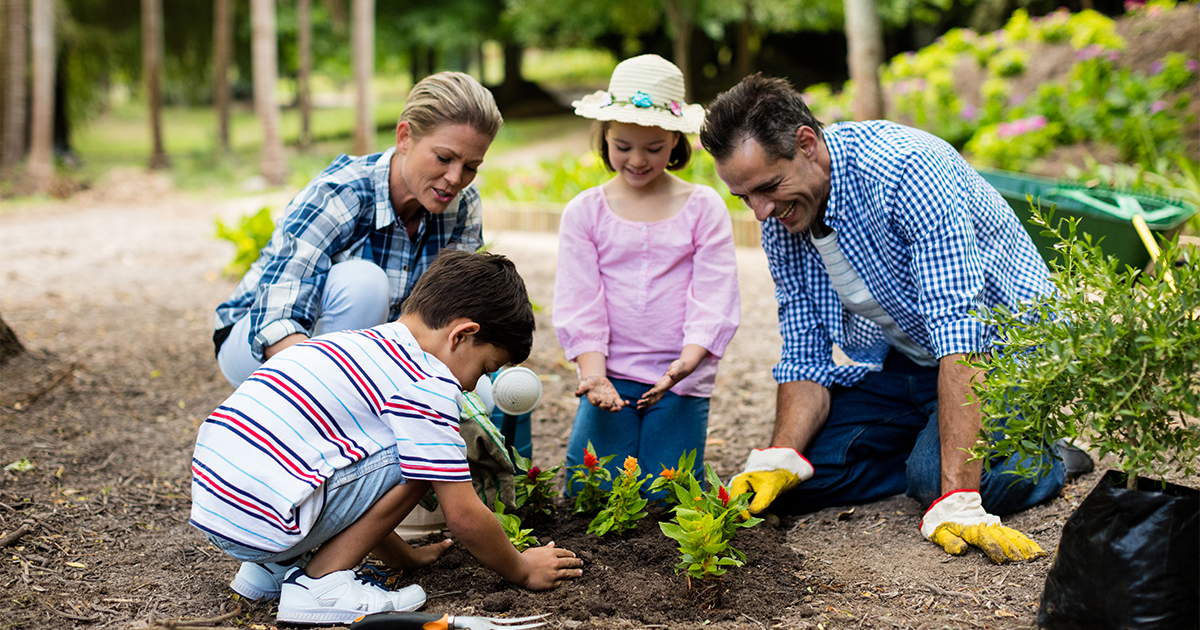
(1127,560)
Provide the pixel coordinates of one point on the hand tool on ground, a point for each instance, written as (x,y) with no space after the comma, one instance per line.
(427,621)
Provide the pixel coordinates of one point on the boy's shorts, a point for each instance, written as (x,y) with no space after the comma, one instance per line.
(349,493)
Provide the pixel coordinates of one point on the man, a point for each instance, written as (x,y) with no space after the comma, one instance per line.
(881,240)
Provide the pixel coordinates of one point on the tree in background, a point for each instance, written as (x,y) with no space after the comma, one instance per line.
(222,55)
(864,38)
(16,79)
(41,139)
(304,69)
(152,62)
(265,70)
(363,45)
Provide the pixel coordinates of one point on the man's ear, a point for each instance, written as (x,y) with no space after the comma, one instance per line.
(806,141)
(463,333)
(403,137)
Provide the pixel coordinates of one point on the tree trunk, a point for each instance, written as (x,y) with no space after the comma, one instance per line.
(152,64)
(864,35)
(41,158)
(222,54)
(303,94)
(743,62)
(681,15)
(10,346)
(16,79)
(362,47)
(265,70)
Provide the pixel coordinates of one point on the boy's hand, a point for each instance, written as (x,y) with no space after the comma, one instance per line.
(549,567)
(601,393)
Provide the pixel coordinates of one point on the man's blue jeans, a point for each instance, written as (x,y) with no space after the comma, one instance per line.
(881,439)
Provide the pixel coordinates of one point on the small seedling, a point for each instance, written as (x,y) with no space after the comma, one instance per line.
(592,496)
(535,487)
(520,538)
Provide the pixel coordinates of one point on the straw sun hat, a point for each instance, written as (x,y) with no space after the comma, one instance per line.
(646,90)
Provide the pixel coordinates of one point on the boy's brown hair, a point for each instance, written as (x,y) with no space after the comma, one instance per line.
(484,288)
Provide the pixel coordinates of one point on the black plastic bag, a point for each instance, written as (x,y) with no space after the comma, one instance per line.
(1127,560)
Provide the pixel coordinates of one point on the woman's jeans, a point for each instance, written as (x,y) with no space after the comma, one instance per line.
(881,439)
(656,436)
(355,297)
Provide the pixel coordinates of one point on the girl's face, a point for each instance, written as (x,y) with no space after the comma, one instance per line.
(439,165)
(639,154)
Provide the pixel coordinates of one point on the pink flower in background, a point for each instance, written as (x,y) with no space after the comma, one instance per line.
(968,112)
(1016,99)
(1158,106)
(1134,5)
(1021,126)
(1193,65)
(1089,52)
(1114,55)
(1156,67)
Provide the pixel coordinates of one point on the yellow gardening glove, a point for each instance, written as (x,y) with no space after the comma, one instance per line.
(958,519)
(769,473)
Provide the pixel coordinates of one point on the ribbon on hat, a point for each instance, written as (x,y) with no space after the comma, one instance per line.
(643,100)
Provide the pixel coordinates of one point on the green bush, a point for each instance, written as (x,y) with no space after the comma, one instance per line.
(249,236)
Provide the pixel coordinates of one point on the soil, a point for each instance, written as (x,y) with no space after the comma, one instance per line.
(112,292)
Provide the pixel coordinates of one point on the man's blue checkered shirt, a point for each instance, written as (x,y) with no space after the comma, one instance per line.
(929,237)
(345,213)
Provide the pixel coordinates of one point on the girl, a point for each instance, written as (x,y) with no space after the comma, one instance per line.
(646,294)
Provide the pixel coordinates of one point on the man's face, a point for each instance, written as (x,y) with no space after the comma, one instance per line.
(793,191)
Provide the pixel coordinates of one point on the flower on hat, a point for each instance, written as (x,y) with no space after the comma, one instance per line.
(676,108)
(642,99)
(606,99)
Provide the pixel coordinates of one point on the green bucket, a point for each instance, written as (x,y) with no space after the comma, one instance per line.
(1103,213)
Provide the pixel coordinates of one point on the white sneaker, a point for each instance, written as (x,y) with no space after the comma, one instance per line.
(340,597)
(255,581)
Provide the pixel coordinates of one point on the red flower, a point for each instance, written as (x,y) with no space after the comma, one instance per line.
(534,472)
(590,460)
(723,495)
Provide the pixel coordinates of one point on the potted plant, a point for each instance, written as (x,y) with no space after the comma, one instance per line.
(1112,359)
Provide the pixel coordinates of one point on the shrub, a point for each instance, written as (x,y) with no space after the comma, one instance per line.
(251,233)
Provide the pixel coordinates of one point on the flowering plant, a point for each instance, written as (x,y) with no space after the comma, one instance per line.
(591,474)
(521,538)
(678,476)
(535,487)
(704,524)
(625,505)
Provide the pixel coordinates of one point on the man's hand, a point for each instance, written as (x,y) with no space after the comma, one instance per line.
(769,473)
(958,519)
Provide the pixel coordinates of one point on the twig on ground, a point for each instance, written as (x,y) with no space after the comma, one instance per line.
(189,624)
(69,615)
(760,624)
(443,594)
(15,534)
(937,590)
(58,377)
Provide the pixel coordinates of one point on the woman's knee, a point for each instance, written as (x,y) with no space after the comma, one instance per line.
(356,295)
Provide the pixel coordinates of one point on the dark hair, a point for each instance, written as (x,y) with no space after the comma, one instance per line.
(681,153)
(482,287)
(766,109)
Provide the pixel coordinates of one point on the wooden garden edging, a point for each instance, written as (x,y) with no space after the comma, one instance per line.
(499,216)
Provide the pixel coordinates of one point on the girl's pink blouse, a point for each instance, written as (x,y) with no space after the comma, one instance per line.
(638,292)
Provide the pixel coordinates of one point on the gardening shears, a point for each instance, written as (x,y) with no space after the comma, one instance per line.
(427,621)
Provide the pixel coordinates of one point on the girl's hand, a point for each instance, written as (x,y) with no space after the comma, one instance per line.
(679,369)
(601,393)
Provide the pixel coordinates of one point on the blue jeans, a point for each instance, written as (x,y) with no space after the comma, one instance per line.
(349,493)
(656,436)
(882,439)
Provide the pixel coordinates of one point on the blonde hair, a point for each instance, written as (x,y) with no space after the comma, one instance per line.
(451,98)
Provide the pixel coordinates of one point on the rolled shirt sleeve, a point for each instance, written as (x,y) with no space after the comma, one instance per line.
(580,316)
(713,308)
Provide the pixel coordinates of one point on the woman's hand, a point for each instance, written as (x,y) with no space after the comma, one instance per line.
(601,393)
(679,369)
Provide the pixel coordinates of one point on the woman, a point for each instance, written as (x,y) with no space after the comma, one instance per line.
(351,245)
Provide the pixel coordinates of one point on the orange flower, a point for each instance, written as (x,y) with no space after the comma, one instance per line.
(631,466)
(668,474)
(590,460)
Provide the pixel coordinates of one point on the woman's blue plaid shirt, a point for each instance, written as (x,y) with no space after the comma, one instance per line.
(345,213)
(929,237)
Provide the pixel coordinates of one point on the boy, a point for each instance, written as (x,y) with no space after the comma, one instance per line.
(332,442)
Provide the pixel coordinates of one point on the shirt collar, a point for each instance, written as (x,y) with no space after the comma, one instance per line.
(385,215)
(835,144)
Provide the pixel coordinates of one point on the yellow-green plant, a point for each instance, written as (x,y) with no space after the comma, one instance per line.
(251,233)
(704,524)
(521,538)
(671,477)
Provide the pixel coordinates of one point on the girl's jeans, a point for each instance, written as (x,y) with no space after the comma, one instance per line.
(881,439)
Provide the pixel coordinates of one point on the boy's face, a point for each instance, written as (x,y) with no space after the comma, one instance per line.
(469,360)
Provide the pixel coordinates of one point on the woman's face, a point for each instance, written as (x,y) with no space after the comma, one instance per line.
(436,166)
